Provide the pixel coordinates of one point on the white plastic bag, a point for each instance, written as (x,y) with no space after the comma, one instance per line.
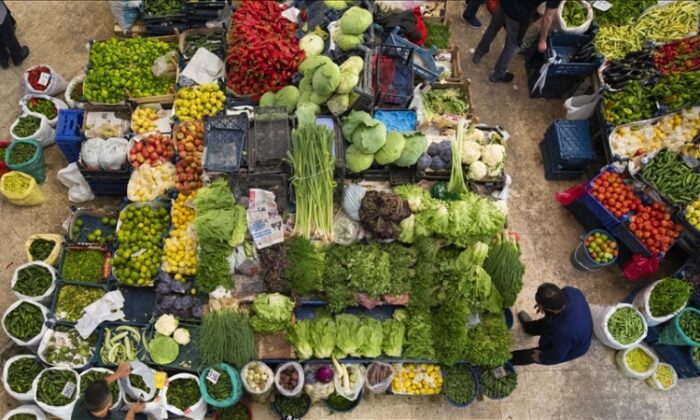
(71,85)
(312,387)
(165,65)
(262,394)
(26,409)
(621,358)
(196,411)
(21,397)
(353,392)
(653,382)
(62,340)
(352,200)
(79,190)
(601,315)
(641,302)
(44,298)
(300,384)
(204,67)
(380,387)
(578,30)
(140,369)
(59,104)
(90,152)
(125,13)
(53,82)
(112,153)
(64,411)
(581,107)
(33,342)
(115,404)
(45,135)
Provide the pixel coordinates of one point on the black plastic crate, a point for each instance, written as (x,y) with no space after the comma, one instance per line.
(393,77)
(600,130)
(225,139)
(139,303)
(629,241)
(112,183)
(551,173)
(584,215)
(317,14)
(564,47)
(556,87)
(277,183)
(365,88)
(568,143)
(271,140)
(424,65)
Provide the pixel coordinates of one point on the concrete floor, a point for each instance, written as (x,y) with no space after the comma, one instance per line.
(587,388)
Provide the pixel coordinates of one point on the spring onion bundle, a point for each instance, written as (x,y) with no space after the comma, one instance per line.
(226,336)
(506,271)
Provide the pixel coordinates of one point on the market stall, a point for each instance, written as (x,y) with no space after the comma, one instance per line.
(310,212)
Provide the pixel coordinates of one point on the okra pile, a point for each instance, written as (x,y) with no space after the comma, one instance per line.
(221,390)
(494,387)
(22,152)
(25,321)
(26,126)
(33,280)
(183,393)
(21,374)
(52,389)
(690,324)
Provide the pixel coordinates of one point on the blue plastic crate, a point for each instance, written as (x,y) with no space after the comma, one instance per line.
(397,119)
(68,137)
(551,173)
(393,83)
(556,87)
(569,141)
(584,215)
(225,139)
(564,47)
(424,64)
(602,214)
(139,303)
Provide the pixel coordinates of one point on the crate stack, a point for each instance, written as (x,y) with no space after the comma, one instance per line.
(567,150)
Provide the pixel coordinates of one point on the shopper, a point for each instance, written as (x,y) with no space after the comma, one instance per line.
(9,46)
(565,330)
(515,15)
(98,399)
(469,14)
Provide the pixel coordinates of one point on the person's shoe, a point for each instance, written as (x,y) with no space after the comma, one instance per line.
(506,78)
(524,317)
(472,21)
(476,58)
(5,63)
(24,53)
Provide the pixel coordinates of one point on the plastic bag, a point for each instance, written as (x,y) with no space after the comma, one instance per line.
(165,65)
(26,409)
(32,196)
(578,30)
(90,153)
(641,302)
(32,343)
(601,315)
(312,387)
(59,104)
(79,190)
(21,397)
(45,134)
(640,266)
(352,200)
(581,107)
(53,82)
(653,382)
(52,259)
(71,85)
(262,394)
(352,392)
(300,384)
(621,358)
(63,411)
(44,298)
(213,375)
(112,154)
(197,411)
(140,369)
(379,387)
(125,13)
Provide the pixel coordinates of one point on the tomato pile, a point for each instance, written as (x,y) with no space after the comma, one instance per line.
(601,247)
(653,226)
(615,195)
(154,149)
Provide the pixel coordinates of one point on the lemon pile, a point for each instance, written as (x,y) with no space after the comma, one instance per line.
(417,379)
(193,103)
(180,256)
(692,213)
(143,120)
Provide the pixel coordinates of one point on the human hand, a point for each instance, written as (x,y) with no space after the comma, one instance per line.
(536,355)
(539,309)
(123,370)
(138,407)
(542,46)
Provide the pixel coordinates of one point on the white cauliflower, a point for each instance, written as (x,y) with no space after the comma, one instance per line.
(166,324)
(477,170)
(182,336)
(493,154)
(471,151)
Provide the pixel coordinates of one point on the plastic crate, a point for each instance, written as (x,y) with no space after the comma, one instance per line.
(317,14)
(105,266)
(570,144)
(584,215)
(277,183)
(365,88)
(564,47)
(271,138)
(59,285)
(551,173)
(225,139)
(393,77)
(600,130)
(423,60)
(139,303)
(91,220)
(68,137)
(187,357)
(556,87)
(397,119)
(141,352)
(112,183)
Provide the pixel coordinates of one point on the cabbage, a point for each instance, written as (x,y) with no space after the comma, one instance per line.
(310,64)
(356,160)
(391,151)
(355,21)
(163,350)
(416,144)
(364,132)
(336,4)
(352,200)
(346,42)
(287,97)
(338,104)
(312,44)
(353,64)
(268,99)
(326,79)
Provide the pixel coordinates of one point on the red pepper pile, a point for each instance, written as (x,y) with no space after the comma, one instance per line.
(264,53)
(678,56)
(33,76)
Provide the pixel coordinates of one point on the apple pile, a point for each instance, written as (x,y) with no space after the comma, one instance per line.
(153,149)
(190,146)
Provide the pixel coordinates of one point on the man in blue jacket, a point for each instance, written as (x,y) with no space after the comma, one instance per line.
(565,330)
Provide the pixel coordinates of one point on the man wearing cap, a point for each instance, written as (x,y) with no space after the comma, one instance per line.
(565,330)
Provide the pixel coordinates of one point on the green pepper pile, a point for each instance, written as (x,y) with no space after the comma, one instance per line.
(679,184)
(21,374)
(43,106)
(633,103)
(678,91)
(183,393)
(33,280)
(83,265)
(690,324)
(26,126)
(25,321)
(163,7)
(40,249)
(73,299)
(574,13)
(51,386)
(21,152)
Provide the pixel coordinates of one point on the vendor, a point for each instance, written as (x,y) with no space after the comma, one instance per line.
(565,330)
(98,399)
(9,46)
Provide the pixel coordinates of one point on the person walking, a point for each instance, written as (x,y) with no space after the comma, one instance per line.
(515,15)
(9,46)
(469,14)
(565,330)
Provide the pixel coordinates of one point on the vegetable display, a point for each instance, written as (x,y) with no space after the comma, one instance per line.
(623,12)
(212,41)
(690,324)
(272,312)
(121,344)
(678,56)
(292,407)
(677,91)
(626,325)
(381,212)
(153,149)
(67,348)
(34,75)
(377,373)
(91,376)
(289,378)
(235,412)
(26,126)
(653,226)
(256,377)
(632,103)
(459,385)
(497,383)
(226,336)
(183,393)
(638,360)
(53,383)
(136,381)
(83,265)
(636,66)
(665,375)
(669,296)
(162,7)
(673,178)
(21,374)
(24,322)
(442,105)
(73,299)
(195,102)
(33,280)
(21,153)
(438,35)
(339,403)
(352,25)
(189,138)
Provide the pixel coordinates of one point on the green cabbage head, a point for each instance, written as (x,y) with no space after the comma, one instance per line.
(391,151)
(355,21)
(356,160)
(416,144)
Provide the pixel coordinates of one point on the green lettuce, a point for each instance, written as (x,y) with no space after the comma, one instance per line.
(272,312)
(394,331)
(373,335)
(298,335)
(488,343)
(349,336)
(322,333)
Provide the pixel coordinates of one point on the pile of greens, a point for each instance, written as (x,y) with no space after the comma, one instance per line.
(183,393)
(83,265)
(305,265)
(459,386)
(504,266)
(489,343)
(438,35)
(226,336)
(669,296)
(272,312)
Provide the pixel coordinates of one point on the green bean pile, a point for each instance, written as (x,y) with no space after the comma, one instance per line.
(21,152)
(625,325)
(21,374)
(669,296)
(496,388)
(221,390)
(137,382)
(95,375)
(183,393)
(690,324)
(51,385)
(459,386)
(40,249)
(25,321)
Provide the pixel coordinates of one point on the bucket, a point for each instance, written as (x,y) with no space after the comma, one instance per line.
(674,335)
(35,166)
(582,260)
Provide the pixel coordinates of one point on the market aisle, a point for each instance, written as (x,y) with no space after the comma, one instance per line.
(587,388)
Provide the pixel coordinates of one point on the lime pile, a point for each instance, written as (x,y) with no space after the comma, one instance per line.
(139,252)
(99,235)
